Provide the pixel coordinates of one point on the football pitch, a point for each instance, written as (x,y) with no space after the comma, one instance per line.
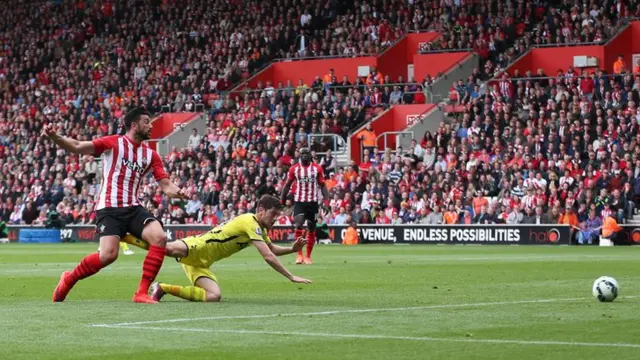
(366,302)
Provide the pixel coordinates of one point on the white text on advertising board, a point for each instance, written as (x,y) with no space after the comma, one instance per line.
(412,119)
(460,235)
(376,234)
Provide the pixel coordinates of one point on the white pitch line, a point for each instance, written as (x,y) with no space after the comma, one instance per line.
(346,311)
(387,337)
(414,260)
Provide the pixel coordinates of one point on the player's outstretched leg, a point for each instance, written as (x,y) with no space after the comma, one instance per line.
(205,290)
(132,240)
(157,239)
(90,265)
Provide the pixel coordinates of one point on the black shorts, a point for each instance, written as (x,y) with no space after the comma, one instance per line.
(308,209)
(120,221)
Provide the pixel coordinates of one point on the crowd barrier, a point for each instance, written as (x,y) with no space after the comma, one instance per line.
(369,234)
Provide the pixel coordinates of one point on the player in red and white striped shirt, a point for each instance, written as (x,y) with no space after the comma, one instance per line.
(309,179)
(126,161)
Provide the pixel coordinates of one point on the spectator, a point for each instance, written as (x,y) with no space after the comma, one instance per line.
(30,213)
(619,66)
(395,218)
(368,138)
(451,216)
(435,217)
(351,235)
(193,205)
(194,139)
(374,77)
(341,218)
(329,163)
(590,229)
(540,217)
(611,230)
(395,97)
(16,217)
(490,217)
(515,216)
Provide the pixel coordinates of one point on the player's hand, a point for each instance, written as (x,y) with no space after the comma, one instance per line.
(182,194)
(299,244)
(49,130)
(299,280)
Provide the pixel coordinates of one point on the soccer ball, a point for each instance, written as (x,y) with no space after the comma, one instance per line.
(605,289)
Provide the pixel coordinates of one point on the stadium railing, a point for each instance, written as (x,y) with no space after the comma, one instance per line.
(385,136)
(439,51)
(322,57)
(577,77)
(170,107)
(333,87)
(338,143)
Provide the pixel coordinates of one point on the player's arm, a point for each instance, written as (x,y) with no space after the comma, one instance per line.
(69,144)
(167,186)
(287,185)
(323,185)
(281,250)
(273,261)
(285,190)
(172,190)
(325,192)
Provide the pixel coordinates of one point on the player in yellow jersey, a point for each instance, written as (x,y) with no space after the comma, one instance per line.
(198,253)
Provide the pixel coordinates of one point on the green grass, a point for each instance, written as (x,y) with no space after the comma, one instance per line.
(449,302)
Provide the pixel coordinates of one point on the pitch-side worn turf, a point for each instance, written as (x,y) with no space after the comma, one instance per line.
(366,302)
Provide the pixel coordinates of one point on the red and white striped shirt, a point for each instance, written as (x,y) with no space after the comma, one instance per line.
(529,201)
(124,165)
(308,180)
(506,88)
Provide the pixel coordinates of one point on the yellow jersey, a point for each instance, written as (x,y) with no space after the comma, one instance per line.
(224,240)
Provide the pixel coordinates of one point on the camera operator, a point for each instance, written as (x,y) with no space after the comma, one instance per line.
(54,220)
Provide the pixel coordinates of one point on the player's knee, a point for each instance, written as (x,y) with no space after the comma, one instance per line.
(213,297)
(109,254)
(299,221)
(158,239)
(311,226)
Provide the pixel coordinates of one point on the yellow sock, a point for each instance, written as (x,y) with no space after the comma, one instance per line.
(124,246)
(191,293)
(130,239)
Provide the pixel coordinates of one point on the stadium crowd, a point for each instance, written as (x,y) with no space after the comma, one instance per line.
(509,29)
(110,56)
(559,146)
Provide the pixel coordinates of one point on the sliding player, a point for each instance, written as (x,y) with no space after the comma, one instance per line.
(309,178)
(198,253)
